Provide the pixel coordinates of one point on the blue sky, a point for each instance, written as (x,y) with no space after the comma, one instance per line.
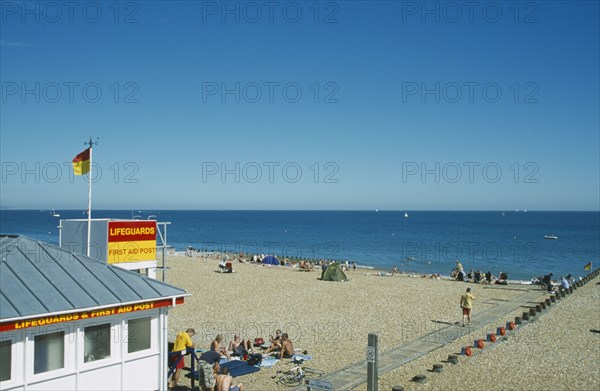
(302,105)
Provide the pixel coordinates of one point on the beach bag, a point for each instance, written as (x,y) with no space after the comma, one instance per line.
(258,342)
(254,359)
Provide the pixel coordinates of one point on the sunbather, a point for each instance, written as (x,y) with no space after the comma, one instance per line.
(275,343)
(239,347)
(216,346)
(287,348)
(223,382)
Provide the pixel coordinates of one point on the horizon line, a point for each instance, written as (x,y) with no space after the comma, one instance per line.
(315,210)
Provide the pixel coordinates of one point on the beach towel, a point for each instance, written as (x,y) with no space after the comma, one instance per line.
(268,362)
(301,357)
(240,368)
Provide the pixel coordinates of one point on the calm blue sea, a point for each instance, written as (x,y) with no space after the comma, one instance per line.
(425,241)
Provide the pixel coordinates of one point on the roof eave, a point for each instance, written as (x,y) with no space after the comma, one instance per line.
(173,298)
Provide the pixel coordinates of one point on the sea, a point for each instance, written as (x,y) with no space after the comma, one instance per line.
(512,242)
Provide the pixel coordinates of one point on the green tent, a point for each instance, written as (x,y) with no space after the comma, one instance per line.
(334,273)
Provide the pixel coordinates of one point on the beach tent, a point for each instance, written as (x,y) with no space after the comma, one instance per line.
(270,260)
(334,273)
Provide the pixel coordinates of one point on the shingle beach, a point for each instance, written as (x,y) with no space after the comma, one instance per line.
(331,321)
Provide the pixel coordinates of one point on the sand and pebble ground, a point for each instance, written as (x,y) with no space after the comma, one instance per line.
(331,320)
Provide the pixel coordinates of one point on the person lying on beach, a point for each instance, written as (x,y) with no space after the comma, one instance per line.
(306,265)
(240,347)
(223,382)
(216,346)
(502,279)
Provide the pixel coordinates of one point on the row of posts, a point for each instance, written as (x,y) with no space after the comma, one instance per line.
(373,339)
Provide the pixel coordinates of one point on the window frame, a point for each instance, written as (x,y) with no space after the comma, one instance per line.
(13,358)
(111,345)
(69,353)
(153,334)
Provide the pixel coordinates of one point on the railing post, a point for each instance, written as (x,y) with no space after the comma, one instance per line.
(372,358)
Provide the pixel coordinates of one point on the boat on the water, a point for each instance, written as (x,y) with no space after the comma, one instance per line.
(551,237)
(55,213)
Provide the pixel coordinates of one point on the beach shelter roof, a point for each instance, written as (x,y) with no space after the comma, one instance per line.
(334,273)
(270,260)
(40,278)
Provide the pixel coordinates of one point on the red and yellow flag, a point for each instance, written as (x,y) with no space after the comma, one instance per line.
(588,266)
(81,163)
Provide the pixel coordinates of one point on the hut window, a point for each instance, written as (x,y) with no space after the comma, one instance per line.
(5,359)
(49,352)
(138,334)
(96,344)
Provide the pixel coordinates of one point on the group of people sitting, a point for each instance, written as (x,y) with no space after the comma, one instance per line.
(281,345)
(210,375)
(551,286)
(478,276)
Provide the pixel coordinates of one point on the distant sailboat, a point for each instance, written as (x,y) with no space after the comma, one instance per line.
(405,215)
(54,213)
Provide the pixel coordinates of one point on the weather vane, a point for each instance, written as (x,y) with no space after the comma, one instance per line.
(91,143)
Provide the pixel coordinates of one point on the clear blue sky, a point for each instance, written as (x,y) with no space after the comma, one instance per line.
(380,105)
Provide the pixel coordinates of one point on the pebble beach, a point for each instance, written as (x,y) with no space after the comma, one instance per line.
(331,321)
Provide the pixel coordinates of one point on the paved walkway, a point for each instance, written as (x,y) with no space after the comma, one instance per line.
(354,375)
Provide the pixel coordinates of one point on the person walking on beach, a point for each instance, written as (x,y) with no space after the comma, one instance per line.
(182,342)
(466,303)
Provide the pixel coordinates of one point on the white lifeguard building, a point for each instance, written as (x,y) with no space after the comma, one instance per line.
(70,322)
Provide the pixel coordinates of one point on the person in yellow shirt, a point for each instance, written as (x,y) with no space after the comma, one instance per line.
(466,303)
(182,342)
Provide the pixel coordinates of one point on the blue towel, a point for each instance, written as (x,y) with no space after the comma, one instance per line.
(239,368)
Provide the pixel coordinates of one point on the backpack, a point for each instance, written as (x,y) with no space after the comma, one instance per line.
(254,359)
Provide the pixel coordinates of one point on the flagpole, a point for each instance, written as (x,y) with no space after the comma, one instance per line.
(89,225)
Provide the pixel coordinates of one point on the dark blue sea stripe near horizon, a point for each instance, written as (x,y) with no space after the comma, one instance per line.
(425,241)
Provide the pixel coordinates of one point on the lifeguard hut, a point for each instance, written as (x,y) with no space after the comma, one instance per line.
(70,322)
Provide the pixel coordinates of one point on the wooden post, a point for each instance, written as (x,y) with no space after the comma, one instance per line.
(372,357)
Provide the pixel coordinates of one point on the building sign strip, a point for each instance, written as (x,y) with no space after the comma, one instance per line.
(84,315)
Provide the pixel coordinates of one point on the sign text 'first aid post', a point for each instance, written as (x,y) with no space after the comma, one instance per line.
(131,241)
